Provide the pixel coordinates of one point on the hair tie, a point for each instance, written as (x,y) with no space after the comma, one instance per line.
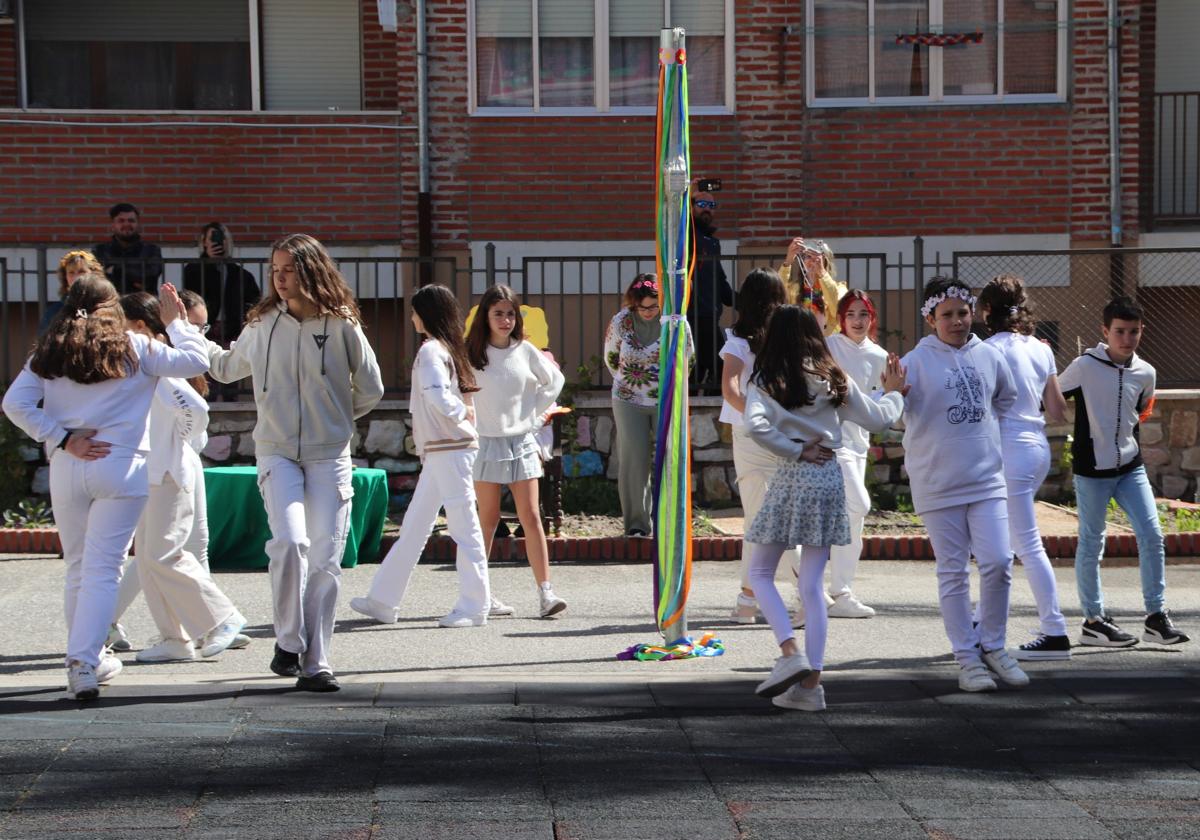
(81,313)
(1012,311)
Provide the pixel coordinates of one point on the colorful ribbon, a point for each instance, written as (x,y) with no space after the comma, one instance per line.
(685,648)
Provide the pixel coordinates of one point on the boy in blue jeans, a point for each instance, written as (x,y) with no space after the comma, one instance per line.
(1114,391)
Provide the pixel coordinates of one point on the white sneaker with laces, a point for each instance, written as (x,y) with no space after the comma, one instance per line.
(788,670)
(81,681)
(457,619)
(548,603)
(745,610)
(975,677)
(847,606)
(377,610)
(241,640)
(498,607)
(108,668)
(802,699)
(168,650)
(222,636)
(1005,668)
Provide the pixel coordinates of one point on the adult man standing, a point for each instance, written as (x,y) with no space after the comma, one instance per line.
(131,263)
(711,291)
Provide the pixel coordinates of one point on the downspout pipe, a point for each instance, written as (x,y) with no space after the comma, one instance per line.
(1114,127)
(424,198)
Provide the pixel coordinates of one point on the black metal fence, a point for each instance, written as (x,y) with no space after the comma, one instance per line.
(580,294)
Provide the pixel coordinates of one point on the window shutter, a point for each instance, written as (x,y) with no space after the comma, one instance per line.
(634,18)
(699,17)
(503,18)
(311,55)
(566,18)
(136,20)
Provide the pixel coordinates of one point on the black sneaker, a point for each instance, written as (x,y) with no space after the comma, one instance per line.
(1161,630)
(1102,632)
(320,681)
(1044,648)
(285,663)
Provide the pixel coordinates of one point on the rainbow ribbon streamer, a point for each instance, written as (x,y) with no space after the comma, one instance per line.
(675,262)
(685,648)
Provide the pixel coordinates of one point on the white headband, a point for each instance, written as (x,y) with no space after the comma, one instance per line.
(953,292)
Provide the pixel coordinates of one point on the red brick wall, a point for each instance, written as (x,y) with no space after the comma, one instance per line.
(8,66)
(379,60)
(1148,35)
(335,182)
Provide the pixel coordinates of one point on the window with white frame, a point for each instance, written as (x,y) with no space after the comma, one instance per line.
(564,56)
(905,52)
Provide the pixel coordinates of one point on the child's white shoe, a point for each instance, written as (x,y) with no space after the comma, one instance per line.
(802,699)
(377,610)
(788,670)
(548,603)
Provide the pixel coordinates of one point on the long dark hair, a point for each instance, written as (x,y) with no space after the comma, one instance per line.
(762,292)
(143,306)
(1009,309)
(86,341)
(481,328)
(794,348)
(438,309)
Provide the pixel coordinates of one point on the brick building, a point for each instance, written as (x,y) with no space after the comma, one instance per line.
(980,125)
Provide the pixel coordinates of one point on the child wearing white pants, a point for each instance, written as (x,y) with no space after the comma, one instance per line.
(314,373)
(443,426)
(85,393)
(952,453)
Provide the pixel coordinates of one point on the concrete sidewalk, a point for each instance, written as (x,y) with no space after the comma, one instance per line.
(530,728)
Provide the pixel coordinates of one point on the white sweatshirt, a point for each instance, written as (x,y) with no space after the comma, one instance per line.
(117,409)
(178,430)
(312,380)
(516,388)
(1109,399)
(864,364)
(1031,363)
(951,438)
(439,409)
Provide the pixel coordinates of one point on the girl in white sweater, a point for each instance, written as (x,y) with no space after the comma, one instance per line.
(85,393)
(796,403)
(443,426)
(189,609)
(517,386)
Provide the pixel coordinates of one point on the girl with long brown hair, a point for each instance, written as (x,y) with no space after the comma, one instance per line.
(313,373)
(85,393)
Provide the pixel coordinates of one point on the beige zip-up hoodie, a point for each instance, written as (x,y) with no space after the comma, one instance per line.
(312,379)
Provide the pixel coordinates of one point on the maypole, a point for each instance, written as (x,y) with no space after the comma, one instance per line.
(672,454)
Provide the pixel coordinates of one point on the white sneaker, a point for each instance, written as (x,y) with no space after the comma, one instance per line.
(81,682)
(847,606)
(222,636)
(1005,668)
(241,640)
(457,619)
(975,677)
(498,607)
(787,671)
(117,639)
(168,650)
(745,611)
(377,610)
(548,603)
(802,699)
(108,668)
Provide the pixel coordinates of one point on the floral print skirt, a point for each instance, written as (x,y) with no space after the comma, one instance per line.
(805,505)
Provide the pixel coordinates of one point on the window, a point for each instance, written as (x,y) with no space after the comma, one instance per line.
(572,56)
(905,52)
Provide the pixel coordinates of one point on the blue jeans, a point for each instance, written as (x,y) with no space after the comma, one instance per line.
(1133,495)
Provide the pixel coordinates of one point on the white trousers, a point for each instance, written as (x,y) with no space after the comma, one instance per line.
(955,533)
(181,595)
(197,544)
(308,511)
(96,507)
(754,467)
(763,564)
(446,480)
(843,559)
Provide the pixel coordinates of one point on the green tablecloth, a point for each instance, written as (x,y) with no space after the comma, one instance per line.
(237,520)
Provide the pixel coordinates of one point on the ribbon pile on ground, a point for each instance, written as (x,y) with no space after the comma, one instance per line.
(685,648)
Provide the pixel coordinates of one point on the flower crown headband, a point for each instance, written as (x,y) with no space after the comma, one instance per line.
(959,292)
(646,284)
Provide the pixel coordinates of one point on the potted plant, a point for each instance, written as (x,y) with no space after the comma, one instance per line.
(29,528)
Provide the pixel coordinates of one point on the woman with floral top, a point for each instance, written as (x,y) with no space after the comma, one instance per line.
(631,354)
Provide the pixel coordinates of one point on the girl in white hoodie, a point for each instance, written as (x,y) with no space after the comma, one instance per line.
(443,426)
(796,403)
(188,607)
(313,374)
(85,393)
(959,385)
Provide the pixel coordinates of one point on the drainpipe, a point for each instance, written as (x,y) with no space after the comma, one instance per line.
(1116,260)
(424,199)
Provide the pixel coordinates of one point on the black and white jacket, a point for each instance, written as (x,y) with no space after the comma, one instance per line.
(1109,399)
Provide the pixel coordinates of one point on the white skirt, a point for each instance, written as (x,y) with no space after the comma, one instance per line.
(504,460)
(805,505)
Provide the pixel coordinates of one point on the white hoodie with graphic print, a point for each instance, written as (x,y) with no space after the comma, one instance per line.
(951,436)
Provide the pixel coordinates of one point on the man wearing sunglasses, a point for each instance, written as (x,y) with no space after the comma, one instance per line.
(711,291)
